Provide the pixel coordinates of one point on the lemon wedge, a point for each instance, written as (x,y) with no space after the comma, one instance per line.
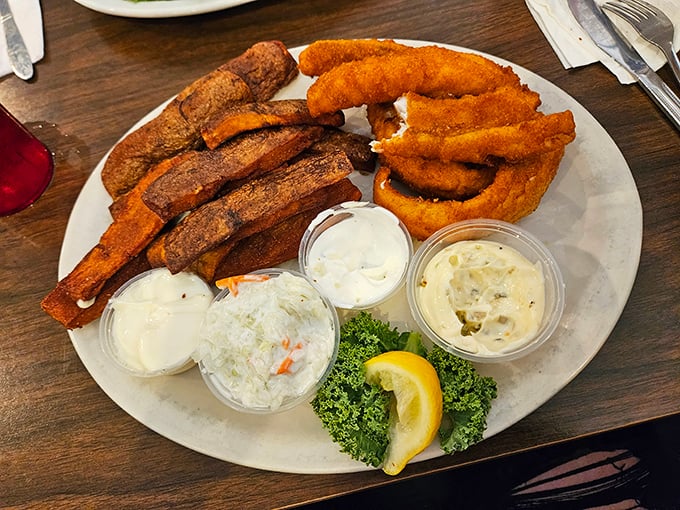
(416,411)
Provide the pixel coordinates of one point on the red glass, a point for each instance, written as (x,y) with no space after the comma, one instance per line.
(26,166)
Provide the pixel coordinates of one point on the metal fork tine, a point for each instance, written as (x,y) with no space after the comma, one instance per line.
(624,11)
(643,7)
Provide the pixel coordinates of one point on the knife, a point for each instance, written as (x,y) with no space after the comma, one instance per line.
(19,58)
(604,35)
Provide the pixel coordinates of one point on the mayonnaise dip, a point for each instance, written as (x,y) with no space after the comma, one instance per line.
(360,256)
(267,345)
(482,296)
(155,321)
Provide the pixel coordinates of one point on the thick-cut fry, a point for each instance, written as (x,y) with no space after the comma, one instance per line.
(357,148)
(322,56)
(214,222)
(212,264)
(257,74)
(515,192)
(60,306)
(429,70)
(134,226)
(197,179)
(512,143)
(247,117)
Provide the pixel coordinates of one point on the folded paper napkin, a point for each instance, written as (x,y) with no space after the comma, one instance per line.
(574,47)
(28,18)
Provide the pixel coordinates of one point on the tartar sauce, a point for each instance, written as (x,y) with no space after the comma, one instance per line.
(267,344)
(362,258)
(156,321)
(483,297)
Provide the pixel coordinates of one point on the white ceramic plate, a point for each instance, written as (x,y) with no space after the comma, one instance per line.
(159,8)
(590,218)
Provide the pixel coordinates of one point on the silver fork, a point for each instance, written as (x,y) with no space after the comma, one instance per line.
(651,23)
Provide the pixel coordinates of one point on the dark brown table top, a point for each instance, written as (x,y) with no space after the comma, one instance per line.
(63,442)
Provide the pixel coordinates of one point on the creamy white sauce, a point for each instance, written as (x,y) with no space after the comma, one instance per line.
(157,319)
(482,296)
(247,337)
(360,260)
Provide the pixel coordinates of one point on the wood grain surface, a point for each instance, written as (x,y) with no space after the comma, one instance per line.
(65,444)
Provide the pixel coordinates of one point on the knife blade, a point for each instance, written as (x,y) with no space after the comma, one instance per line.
(19,58)
(603,33)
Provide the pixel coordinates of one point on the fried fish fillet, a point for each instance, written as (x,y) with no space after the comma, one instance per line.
(515,192)
(200,177)
(250,116)
(430,70)
(511,143)
(322,56)
(255,75)
(429,177)
(214,222)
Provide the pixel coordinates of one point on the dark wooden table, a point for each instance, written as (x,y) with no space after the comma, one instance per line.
(63,443)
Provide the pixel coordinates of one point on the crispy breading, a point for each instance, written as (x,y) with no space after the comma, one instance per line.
(322,56)
(511,143)
(430,70)
(64,309)
(276,243)
(516,191)
(198,178)
(247,117)
(214,222)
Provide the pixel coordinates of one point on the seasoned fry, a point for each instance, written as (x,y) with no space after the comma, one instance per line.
(254,75)
(197,179)
(283,229)
(247,117)
(429,70)
(357,148)
(515,192)
(64,309)
(214,222)
(134,226)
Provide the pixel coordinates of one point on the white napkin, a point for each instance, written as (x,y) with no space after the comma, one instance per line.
(28,18)
(574,47)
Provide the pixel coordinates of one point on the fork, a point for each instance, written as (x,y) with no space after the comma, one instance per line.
(652,24)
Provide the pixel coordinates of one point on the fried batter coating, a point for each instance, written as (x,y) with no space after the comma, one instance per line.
(428,177)
(511,143)
(515,192)
(500,107)
(430,70)
(322,56)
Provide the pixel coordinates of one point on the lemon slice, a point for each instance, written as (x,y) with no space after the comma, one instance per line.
(416,411)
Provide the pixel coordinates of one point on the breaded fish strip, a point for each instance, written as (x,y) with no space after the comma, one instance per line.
(250,116)
(511,143)
(213,223)
(64,309)
(429,70)
(322,56)
(500,107)
(198,178)
(275,243)
(255,75)
(515,192)
(429,177)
